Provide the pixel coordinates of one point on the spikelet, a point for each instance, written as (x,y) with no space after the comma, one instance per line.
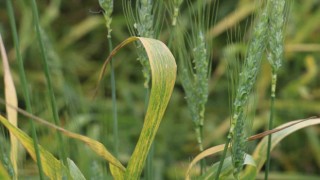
(276,26)
(176,7)
(107,6)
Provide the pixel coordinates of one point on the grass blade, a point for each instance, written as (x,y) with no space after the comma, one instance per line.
(23,79)
(11,97)
(48,77)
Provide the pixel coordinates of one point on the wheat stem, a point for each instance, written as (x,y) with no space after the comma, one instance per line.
(107,6)
(48,78)
(276,26)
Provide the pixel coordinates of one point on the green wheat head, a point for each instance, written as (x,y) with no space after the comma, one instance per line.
(246,82)
(195,59)
(267,34)
(146,22)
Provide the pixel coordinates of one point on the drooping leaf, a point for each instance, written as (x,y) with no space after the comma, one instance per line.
(52,167)
(163,72)
(259,157)
(202,155)
(227,165)
(94,145)
(227,169)
(11,97)
(260,152)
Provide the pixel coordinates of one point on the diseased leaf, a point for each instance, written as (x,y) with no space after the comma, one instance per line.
(202,155)
(94,145)
(163,72)
(52,167)
(259,156)
(260,152)
(11,97)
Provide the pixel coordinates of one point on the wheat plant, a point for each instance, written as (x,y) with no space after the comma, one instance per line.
(187,27)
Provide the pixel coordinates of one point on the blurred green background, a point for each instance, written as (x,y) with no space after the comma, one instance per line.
(76,41)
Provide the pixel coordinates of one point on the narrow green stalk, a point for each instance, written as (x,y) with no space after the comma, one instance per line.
(270,126)
(24,83)
(276,26)
(224,154)
(114,105)
(48,79)
(107,6)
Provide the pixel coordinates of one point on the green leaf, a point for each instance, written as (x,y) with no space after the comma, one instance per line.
(75,173)
(260,152)
(3,173)
(52,167)
(163,71)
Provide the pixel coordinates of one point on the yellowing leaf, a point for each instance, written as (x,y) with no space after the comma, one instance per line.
(3,173)
(163,72)
(94,145)
(202,155)
(52,167)
(260,152)
(11,97)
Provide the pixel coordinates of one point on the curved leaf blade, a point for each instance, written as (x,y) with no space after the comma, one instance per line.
(260,152)
(163,71)
(202,155)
